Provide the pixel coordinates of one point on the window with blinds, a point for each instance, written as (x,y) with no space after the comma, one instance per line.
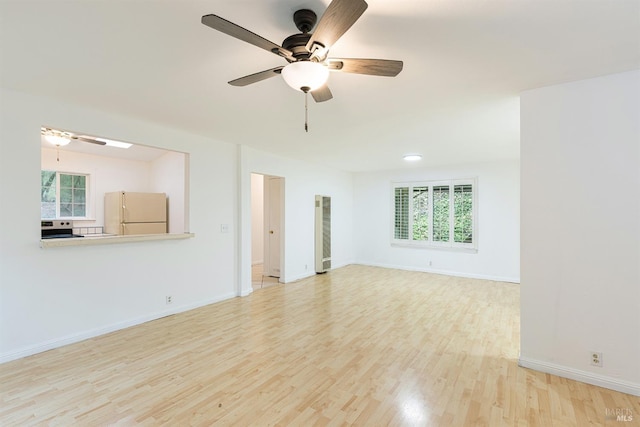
(420,226)
(401,227)
(463,218)
(441,213)
(435,213)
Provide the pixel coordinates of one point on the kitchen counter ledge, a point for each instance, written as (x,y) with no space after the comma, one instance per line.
(111,239)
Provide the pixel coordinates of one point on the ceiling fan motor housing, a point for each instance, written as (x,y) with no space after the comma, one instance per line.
(297,45)
(305,20)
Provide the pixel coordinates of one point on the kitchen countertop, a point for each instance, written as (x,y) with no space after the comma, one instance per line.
(108,239)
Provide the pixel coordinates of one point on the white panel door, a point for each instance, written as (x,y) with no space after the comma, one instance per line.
(274,189)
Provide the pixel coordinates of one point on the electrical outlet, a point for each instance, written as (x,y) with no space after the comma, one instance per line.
(596,359)
(169,299)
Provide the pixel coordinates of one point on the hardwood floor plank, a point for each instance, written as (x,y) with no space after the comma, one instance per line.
(356,346)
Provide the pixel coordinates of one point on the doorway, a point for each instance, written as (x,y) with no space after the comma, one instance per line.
(267,230)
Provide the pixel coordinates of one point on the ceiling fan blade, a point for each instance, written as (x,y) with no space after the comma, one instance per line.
(373,67)
(322,94)
(229,28)
(256,77)
(335,21)
(90,140)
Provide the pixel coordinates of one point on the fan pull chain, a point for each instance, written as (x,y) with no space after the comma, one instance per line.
(306,112)
(306,90)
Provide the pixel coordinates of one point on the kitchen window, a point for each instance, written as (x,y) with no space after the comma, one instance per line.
(63,195)
(435,214)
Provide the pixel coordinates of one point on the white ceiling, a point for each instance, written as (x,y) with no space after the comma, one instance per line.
(465,62)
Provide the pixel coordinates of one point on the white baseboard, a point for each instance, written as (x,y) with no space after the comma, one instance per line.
(312,273)
(582,376)
(445,272)
(92,333)
(299,276)
(245,292)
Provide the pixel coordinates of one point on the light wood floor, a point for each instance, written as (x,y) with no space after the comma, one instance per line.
(259,280)
(356,346)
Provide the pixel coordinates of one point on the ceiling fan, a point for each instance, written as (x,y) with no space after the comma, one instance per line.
(307,53)
(60,138)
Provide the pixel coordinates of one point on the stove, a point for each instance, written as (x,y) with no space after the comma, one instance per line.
(57,229)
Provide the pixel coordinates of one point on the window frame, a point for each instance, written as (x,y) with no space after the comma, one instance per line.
(88,202)
(430,243)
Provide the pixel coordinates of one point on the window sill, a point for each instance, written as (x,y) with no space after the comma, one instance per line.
(111,239)
(468,250)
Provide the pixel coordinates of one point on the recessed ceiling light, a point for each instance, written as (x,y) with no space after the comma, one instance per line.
(412,157)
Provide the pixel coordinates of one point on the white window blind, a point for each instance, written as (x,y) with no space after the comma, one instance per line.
(463,208)
(420,226)
(401,226)
(441,210)
(438,213)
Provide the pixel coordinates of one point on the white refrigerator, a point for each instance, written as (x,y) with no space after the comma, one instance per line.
(128,213)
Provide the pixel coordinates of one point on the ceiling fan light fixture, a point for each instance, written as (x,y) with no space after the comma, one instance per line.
(56,137)
(412,157)
(305,76)
(57,140)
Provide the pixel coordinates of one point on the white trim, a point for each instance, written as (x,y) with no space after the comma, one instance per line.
(92,333)
(313,273)
(300,277)
(418,245)
(582,376)
(245,292)
(445,272)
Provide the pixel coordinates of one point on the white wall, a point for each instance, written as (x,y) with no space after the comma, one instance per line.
(302,182)
(168,175)
(49,297)
(581,230)
(257,218)
(497,257)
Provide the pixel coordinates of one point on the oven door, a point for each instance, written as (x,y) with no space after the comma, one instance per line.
(55,234)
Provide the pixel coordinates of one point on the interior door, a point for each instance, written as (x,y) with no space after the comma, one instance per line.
(273,203)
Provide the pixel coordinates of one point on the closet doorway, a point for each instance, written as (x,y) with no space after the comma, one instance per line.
(267,230)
